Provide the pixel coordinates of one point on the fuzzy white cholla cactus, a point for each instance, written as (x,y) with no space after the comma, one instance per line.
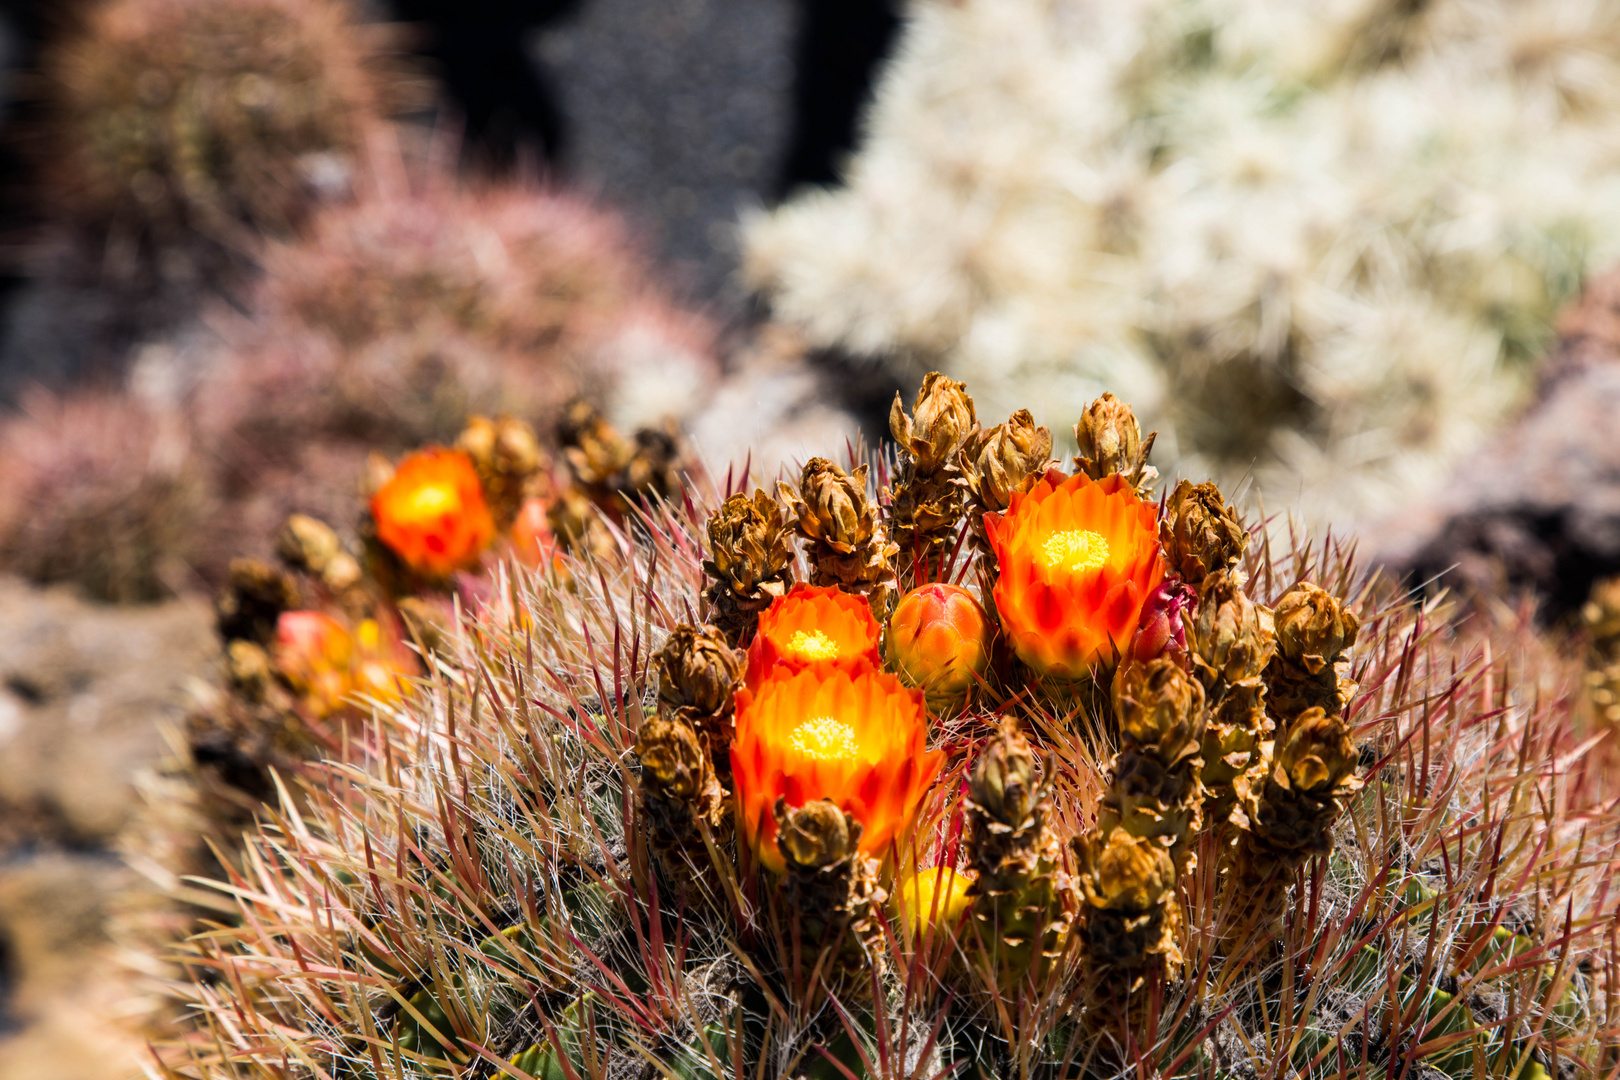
(1318,240)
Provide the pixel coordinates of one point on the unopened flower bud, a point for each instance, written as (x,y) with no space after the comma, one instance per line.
(698,671)
(1111,441)
(1228,636)
(1163,631)
(1004,783)
(1002,459)
(942,417)
(1313,628)
(314,653)
(815,834)
(938,640)
(932,902)
(1160,709)
(1316,755)
(1200,533)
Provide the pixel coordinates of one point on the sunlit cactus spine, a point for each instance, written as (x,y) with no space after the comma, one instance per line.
(534,863)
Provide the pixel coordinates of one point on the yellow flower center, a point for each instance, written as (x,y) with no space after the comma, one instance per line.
(429,501)
(812,645)
(824,739)
(1074,550)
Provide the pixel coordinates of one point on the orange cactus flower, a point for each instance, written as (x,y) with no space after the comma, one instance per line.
(1078,559)
(432,513)
(939,640)
(852,735)
(810,625)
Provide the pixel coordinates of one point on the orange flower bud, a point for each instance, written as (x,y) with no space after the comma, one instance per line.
(813,624)
(939,640)
(932,902)
(854,736)
(532,539)
(1079,559)
(432,513)
(314,652)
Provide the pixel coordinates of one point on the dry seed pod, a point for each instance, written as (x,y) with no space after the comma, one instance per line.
(750,563)
(1310,669)
(1200,534)
(832,889)
(848,546)
(698,675)
(253,600)
(1111,442)
(926,500)
(679,796)
(1287,811)
(508,458)
(1021,899)
(311,546)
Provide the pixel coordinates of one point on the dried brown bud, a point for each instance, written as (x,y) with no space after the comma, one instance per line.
(1227,636)
(594,448)
(253,600)
(655,469)
(1160,709)
(942,417)
(309,545)
(816,834)
(1111,442)
(1313,628)
(698,671)
(1201,535)
(672,759)
(1316,756)
(1601,616)
(749,545)
(832,506)
(507,455)
(1121,872)
(1000,461)
(1005,785)
(249,669)
(577,524)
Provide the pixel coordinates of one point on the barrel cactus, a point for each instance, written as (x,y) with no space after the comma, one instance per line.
(1312,829)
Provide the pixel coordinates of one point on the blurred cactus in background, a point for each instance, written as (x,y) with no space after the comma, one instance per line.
(101,490)
(1318,242)
(181,126)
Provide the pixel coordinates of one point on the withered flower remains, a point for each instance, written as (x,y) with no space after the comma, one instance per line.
(750,563)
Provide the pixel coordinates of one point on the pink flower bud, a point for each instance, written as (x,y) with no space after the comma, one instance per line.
(939,640)
(314,653)
(1162,632)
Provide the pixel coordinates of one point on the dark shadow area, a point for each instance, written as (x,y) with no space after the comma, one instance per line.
(479,52)
(840,44)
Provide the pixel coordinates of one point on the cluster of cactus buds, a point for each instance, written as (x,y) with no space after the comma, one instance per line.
(844,816)
(925,502)
(831,891)
(614,471)
(1142,845)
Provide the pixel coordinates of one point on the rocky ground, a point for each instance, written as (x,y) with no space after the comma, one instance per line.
(84,692)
